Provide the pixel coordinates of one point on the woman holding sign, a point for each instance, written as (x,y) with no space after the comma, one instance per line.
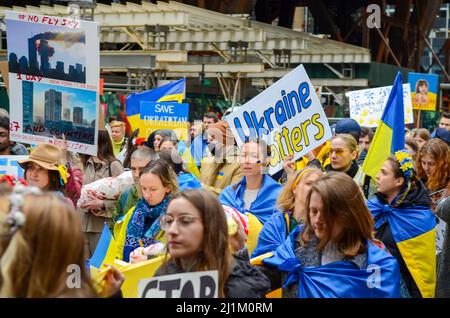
(198,240)
(334,254)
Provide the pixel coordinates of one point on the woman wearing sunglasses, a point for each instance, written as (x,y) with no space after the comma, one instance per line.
(344,158)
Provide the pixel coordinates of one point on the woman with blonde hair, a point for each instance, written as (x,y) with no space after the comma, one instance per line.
(291,204)
(42,248)
(141,226)
(198,240)
(344,158)
(334,253)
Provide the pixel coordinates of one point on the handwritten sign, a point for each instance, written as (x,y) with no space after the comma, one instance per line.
(367,105)
(187,285)
(288,116)
(54,67)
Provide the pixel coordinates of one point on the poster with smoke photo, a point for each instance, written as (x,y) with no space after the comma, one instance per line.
(54,79)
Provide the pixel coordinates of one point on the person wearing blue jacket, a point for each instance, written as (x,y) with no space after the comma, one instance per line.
(257,193)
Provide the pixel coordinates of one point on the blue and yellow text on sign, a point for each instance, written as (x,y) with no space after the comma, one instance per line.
(288,116)
(10,165)
(165,115)
(424,90)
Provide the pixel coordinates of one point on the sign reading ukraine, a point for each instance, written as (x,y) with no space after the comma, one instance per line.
(424,89)
(288,116)
(165,115)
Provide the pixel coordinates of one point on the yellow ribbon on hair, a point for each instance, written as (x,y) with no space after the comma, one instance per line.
(298,177)
(63,173)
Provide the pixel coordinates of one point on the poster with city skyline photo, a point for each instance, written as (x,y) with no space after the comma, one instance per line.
(50,52)
(54,69)
(50,110)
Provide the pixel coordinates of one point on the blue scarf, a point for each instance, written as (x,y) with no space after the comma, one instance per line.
(144,225)
(264,205)
(380,279)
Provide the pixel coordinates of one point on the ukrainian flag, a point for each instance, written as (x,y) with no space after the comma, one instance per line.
(105,252)
(390,134)
(414,231)
(170,92)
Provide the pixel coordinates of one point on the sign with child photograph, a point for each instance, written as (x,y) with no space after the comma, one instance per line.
(424,90)
(187,285)
(53,79)
(367,105)
(288,116)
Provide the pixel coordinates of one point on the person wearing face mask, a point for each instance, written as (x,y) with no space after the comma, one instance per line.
(221,168)
(199,239)
(257,192)
(334,253)
(405,223)
(291,204)
(141,225)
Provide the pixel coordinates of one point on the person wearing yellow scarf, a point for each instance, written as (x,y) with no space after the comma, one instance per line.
(117,136)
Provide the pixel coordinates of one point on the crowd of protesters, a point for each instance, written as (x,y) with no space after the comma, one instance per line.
(315,229)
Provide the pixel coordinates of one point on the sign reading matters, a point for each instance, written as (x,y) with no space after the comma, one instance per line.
(288,116)
(187,285)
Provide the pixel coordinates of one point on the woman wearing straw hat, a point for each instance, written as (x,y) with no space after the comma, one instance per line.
(46,170)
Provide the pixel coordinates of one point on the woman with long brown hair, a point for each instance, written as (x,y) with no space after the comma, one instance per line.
(334,253)
(433,166)
(198,240)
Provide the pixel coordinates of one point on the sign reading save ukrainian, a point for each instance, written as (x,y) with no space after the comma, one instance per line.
(288,116)
(165,115)
(424,89)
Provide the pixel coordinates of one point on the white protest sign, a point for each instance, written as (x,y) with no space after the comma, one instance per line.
(441,228)
(54,69)
(10,165)
(367,105)
(288,116)
(187,285)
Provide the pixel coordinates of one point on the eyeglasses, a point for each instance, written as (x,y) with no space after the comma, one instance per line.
(338,151)
(183,221)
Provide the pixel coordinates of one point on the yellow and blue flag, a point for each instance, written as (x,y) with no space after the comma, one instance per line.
(105,252)
(414,230)
(380,278)
(390,134)
(170,92)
